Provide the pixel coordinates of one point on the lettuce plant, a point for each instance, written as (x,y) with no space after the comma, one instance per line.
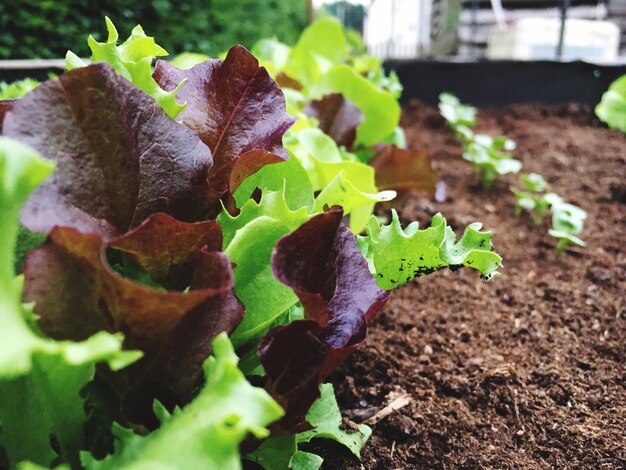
(612,106)
(321,64)
(332,85)
(325,62)
(488,155)
(345,93)
(229,227)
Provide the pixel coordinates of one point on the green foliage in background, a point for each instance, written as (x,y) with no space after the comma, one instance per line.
(17,89)
(48,28)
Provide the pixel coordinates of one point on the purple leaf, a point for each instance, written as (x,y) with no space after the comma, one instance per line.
(78,293)
(404,170)
(322,263)
(72,283)
(119,157)
(338,117)
(167,249)
(237,110)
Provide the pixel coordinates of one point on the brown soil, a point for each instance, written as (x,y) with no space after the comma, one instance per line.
(527,371)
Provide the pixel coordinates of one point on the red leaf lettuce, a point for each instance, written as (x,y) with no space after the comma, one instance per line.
(119,157)
(77,293)
(322,263)
(337,117)
(403,170)
(237,110)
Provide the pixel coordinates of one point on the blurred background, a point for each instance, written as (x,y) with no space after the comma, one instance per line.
(592,30)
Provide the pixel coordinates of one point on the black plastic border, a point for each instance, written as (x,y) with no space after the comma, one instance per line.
(11,71)
(502,83)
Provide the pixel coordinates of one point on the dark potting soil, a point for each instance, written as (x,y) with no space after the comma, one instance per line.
(527,371)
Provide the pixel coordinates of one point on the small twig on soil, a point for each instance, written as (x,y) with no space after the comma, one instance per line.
(515,407)
(394,405)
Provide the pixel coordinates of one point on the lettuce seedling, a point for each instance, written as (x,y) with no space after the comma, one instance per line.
(490,158)
(460,117)
(531,198)
(488,155)
(567,219)
(567,222)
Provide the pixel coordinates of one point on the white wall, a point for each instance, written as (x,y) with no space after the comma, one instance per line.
(392,27)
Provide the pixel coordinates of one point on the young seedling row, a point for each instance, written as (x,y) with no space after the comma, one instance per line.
(490,158)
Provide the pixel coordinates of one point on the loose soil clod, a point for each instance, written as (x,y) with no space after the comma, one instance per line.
(527,372)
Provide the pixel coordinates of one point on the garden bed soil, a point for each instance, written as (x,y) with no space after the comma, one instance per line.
(526,371)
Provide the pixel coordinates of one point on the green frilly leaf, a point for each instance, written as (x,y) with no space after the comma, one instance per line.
(133,60)
(249,239)
(40,379)
(208,431)
(342,180)
(327,423)
(397,256)
(321,45)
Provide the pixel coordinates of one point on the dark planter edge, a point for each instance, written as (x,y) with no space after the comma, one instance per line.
(39,69)
(503,83)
